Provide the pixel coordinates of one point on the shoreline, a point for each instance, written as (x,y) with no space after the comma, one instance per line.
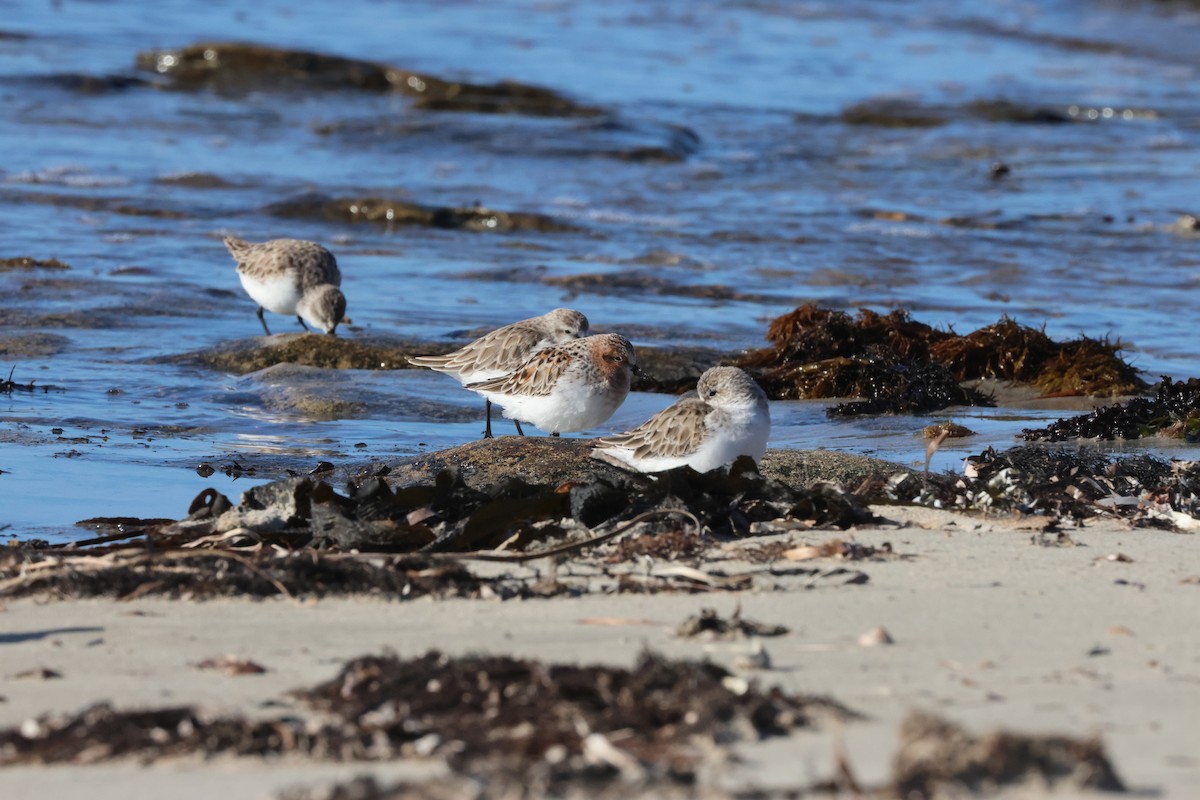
(994,625)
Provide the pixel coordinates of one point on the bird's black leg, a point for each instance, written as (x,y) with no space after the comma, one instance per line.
(263,321)
(301,321)
(520,432)
(487,432)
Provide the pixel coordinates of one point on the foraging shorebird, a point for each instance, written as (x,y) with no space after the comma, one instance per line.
(291,276)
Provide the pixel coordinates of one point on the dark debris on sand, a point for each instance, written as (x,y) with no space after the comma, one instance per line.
(493,715)
(300,537)
(525,728)
(1078,483)
(708,624)
(447,514)
(126,573)
(1173,411)
(902,366)
(938,758)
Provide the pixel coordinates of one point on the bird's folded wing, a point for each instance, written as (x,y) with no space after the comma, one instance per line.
(675,431)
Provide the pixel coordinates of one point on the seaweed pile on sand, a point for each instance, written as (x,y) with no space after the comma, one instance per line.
(899,365)
(555,730)
(1074,484)
(1173,411)
(555,725)
(300,537)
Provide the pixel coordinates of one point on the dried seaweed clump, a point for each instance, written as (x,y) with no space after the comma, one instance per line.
(132,571)
(510,714)
(938,758)
(449,515)
(819,352)
(1013,352)
(1174,410)
(893,388)
(1006,350)
(486,715)
(801,339)
(1080,483)
(902,366)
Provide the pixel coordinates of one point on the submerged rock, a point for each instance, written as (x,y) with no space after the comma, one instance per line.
(668,370)
(242,67)
(631,282)
(893,113)
(242,356)
(93,84)
(25,262)
(604,136)
(402,212)
(32,345)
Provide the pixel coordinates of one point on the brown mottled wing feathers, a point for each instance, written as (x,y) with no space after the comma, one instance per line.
(535,378)
(675,431)
(503,349)
(313,264)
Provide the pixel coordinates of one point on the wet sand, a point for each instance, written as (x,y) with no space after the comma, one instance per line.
(995,624)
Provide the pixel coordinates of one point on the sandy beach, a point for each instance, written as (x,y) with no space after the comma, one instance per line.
(995,624)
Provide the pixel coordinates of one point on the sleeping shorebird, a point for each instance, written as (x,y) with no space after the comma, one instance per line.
(566,387)
(726,417)
(498,353)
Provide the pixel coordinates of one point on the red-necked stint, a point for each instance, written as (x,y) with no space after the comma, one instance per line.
(502,351)
(726,417)
(291,276)
(566,387)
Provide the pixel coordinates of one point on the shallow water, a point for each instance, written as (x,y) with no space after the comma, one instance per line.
(776,201)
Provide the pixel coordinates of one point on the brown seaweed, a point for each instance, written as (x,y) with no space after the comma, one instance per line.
(938,758)
(484,714)
(1173,410)
(902,366)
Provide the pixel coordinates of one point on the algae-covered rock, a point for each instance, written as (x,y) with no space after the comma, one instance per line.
(552,460)
(899,113)
(245,67)
(668,370)
(402,212)
(32,345)
(537,459)
(25,262)
(309,349)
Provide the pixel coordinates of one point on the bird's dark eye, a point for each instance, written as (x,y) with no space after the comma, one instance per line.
(712,392)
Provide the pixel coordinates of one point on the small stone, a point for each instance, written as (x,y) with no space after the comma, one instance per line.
(875,637)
